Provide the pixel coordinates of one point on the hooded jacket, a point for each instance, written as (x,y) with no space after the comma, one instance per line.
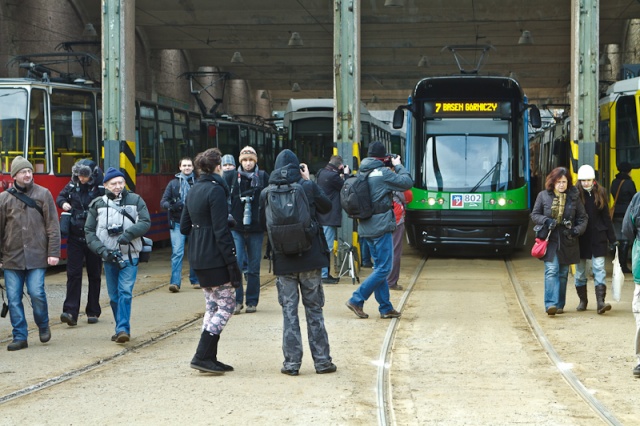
(560,241)
(382,183)
(80,195)
(599,232)
(287,170)
(331,182)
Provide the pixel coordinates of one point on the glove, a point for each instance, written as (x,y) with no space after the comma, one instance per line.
(123,240)
(177,206)
(550,223)
(575,232)
(613,246)
(108,256)
(235,276)
(231,221)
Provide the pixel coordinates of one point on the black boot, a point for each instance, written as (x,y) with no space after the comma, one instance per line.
(582,294)
(624,256)
(601,292)
(206,353)
(222,365)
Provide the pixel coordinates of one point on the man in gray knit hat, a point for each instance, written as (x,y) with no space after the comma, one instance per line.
(29,242)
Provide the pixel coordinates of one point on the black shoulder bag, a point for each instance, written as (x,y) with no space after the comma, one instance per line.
(26,199)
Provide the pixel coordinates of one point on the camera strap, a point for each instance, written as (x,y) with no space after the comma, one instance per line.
(26,199)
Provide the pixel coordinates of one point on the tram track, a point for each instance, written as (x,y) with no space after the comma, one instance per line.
(384,389)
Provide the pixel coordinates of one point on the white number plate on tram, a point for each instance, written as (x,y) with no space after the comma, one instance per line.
(460,201)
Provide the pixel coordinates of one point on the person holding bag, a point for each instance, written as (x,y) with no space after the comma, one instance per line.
(558,209)
(593,243)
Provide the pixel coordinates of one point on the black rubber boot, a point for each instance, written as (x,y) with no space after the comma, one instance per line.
(582,294)
(601,292)
(204,359)
(222,365)
(623,256)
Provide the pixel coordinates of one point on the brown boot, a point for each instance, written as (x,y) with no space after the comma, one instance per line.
(582,294)
(601,292)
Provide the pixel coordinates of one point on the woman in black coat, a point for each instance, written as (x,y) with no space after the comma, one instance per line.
(594,243)
(558,210)
(212,255)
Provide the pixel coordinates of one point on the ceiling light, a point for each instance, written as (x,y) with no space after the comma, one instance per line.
(295,39)
(394,3)
(374,99)
(237,58)
(526,38)
(264,95)
(295,87)
(424,62)
(89,31)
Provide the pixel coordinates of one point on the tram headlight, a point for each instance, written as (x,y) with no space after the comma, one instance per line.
(502,201)
(431,201)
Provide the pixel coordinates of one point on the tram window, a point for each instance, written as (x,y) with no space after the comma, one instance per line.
(37,132)
(627,143)
(195,139)
(167,142)
(147,136)
(181,131)
(73,128)
(13,116)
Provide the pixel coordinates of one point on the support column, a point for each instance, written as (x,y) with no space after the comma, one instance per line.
(346,92)
(118,87)
(584,81)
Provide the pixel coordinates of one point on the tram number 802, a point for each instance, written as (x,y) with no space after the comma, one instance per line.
(466,200)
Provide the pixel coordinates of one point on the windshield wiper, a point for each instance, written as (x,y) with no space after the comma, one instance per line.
(495,166)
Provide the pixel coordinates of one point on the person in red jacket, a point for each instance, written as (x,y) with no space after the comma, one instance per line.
(400,200)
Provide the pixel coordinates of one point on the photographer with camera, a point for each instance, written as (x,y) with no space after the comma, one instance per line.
(377,230)
(114,228)
(173,201)
(75,197)
(248,233)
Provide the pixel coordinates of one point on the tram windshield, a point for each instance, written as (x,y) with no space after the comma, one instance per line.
(467,155)
(13,116)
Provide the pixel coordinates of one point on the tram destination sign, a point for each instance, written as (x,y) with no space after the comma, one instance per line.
(467,109)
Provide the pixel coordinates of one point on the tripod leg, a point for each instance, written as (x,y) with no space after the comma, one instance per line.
(352,268)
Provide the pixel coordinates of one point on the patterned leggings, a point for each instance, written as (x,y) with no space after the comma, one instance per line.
(221,302)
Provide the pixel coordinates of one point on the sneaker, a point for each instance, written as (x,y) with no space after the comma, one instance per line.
(636,371)
(330,280)
(196,286)
(396,287)
(238,310)
(114,337)
(122,337)
(16,345)
(331,368)
(251,309)
(289,372)
(356,310)
(560,311)
(68,319)
(92,320)
(551,310)
(391,314)
(174,288)
(45,334)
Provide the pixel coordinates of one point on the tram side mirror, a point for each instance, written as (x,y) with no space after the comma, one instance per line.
(534,117)
(398,118)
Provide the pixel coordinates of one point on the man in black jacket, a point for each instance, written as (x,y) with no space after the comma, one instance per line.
(331,179)
(299,275)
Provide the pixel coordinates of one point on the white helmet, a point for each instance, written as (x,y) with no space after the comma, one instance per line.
(586,172)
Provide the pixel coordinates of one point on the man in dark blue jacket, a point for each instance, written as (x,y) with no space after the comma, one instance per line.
(299,275)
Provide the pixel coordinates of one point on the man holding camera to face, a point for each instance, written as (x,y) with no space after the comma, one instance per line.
(114,228)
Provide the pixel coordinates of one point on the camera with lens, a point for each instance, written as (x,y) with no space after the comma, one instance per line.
(567,223)
(246,217)
(114,230)
(387,160)
(118,259)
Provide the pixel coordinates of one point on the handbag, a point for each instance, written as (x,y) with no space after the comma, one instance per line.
(617,278)
(65,224)
(539,248)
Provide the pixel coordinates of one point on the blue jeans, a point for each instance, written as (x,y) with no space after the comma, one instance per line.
(120,287)
(555,284)
(597,266)
(14,282)
(177,254)
(376,283)
(249,247)
(365,253)
(330,236)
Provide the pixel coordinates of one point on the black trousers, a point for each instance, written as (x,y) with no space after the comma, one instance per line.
(77,253)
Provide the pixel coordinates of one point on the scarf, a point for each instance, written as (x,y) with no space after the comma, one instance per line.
(557,206)
(186,181)
(254,177)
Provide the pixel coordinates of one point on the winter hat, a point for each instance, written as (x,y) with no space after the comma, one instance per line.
(18,164)
(377,149)
(228,159)
(81,168)
(624,167)
(248,153)
(112,173)
(285,158)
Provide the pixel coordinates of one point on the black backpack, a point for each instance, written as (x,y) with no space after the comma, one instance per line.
(355,197)
(289,224)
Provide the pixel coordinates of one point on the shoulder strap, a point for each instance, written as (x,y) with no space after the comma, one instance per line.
(618,192)
(26,199)
(120,209)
